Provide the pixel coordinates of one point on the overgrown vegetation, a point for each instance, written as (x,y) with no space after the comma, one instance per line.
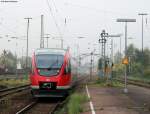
(74,105)
(14,82)
(139,64)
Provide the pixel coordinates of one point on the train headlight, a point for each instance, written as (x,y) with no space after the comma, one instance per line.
(38,70)
(57,71)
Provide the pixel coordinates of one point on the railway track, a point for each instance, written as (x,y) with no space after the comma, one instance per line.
(9,91)
(40,107)
(137,83)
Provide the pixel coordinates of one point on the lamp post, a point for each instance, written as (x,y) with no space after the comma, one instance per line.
(142,14)
(126,56)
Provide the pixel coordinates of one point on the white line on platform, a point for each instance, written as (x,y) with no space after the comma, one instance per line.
(91,104)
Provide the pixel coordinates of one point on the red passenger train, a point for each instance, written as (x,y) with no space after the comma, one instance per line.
(52,74)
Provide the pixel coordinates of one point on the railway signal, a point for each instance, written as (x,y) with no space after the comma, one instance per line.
(103,42)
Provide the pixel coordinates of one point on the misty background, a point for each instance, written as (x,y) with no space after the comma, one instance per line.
(71,19)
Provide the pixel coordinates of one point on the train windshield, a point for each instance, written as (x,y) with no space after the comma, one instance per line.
(49,64)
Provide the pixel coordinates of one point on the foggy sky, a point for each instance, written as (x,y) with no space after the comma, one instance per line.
(86,18)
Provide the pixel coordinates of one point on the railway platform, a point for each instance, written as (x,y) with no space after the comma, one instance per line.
(112,100)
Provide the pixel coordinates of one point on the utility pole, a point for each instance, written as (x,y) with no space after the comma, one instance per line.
(142,56)
(126,56)
(28,23)
(42,32)
(91,67)
(142,14)
(103,42)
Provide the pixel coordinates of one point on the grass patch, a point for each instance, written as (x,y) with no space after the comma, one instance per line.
(106,83)
(74,105)
(14,82)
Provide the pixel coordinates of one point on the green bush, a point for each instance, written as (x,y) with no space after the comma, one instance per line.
(136,67)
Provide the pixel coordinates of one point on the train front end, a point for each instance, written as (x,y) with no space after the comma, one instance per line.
(51,73)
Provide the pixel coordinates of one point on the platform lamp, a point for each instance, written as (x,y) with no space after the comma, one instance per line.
(126,58)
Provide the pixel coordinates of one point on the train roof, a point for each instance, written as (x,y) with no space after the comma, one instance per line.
(50,51)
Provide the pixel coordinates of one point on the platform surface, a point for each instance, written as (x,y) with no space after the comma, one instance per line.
(107,100)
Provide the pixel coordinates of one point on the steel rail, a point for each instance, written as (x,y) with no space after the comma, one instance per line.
(26,108)
(5,92)
(13,88)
